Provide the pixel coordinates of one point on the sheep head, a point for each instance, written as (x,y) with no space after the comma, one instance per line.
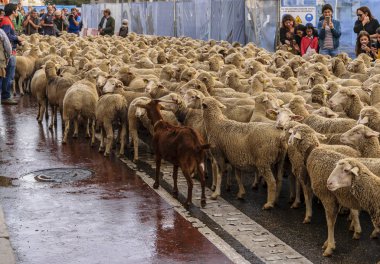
(325,112)
(369,114)
(357,134)
(111,85)
(344,174)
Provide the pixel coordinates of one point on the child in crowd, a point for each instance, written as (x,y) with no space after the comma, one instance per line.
(123,32)
(376,45)
(309,43)
(363,45)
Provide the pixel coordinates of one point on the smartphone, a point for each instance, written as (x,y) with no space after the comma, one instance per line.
(327,20)
(374,45)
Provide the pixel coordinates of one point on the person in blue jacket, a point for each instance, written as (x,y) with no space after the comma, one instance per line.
(329,32)
(74,22)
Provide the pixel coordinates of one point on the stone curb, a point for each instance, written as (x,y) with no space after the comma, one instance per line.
(6,251)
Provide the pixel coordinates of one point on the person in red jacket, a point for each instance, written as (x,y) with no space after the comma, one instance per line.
(309,43)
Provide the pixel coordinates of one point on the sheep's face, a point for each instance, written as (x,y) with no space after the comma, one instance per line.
(342,175)
(111,84)
(171,102)
(316,78)
(302,137)
(341,99)
(357,134)
(325,112)
(193,99)
(267,100)
(319,94)
(368,115)
(283,117)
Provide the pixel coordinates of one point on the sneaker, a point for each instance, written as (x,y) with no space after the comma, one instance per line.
(9,102)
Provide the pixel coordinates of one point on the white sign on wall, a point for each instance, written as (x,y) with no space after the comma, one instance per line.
(302,15)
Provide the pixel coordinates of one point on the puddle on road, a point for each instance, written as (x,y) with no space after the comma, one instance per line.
(58,175)
(6,181)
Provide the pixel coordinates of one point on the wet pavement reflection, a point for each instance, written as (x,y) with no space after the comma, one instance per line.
(112,217)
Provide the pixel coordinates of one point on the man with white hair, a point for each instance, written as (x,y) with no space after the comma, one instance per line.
(123,32)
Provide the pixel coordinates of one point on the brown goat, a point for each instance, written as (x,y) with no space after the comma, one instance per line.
(181,146)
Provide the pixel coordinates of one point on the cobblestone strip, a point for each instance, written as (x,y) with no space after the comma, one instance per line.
(6,251)
(253,236)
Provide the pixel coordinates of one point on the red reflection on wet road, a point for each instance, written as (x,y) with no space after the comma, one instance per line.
(113,217)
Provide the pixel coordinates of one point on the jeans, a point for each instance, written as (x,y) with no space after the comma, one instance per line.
(331,52)
(6,83)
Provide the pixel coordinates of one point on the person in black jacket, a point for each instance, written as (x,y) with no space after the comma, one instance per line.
(366,22)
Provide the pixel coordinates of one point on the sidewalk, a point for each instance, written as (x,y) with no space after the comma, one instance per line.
(6,251)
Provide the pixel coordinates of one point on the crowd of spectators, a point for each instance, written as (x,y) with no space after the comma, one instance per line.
(305,39)
(52,23)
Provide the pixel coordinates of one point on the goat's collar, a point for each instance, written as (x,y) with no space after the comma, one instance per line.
(157,123)
(307,153)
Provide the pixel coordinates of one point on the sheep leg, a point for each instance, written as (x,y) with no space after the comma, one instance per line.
(241,192)
(355,224)
(271,187)
(256,181)
(228,178)
(53,112)
(308,194)
(45,105)
(279,176)
(214,168)
(88,128)
(41,112)
(20,85)
(123,133)
(158,165)
(175,177)
(292,187)
(109,132)
(67,128)
(135,141)
(218,183)
(101,147)
(93,132)
(75,135)
(201,173)
(297,200)
(331,209)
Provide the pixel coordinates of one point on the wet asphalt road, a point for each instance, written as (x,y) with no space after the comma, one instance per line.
(113,217)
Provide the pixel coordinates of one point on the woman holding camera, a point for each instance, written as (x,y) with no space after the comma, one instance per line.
(329,32)
(366,22)
(74,22)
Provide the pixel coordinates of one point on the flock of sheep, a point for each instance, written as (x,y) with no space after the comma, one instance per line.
(315,119)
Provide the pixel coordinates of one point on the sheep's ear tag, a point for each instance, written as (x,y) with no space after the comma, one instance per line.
(355,171)
(298,136)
